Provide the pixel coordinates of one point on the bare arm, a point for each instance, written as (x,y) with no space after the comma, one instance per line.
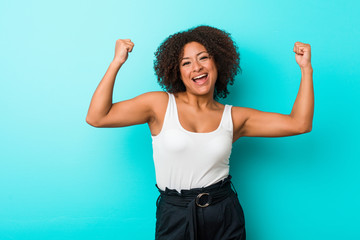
(102,112)
(101,101)
(254,123)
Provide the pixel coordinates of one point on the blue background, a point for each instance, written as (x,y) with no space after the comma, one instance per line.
(60,178)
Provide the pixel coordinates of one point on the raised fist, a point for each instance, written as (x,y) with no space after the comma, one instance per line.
(302,54)
(122,49)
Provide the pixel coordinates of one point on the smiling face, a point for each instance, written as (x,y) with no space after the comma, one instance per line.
(198,70)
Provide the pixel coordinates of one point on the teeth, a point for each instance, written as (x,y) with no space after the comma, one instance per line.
(204,75)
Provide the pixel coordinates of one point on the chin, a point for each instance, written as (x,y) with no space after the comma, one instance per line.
(204,92)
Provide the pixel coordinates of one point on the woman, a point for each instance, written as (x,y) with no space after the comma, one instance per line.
(193,133)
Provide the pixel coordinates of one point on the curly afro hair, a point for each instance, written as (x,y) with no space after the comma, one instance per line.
(219,45)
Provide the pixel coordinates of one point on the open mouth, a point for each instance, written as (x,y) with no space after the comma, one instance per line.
(200,79)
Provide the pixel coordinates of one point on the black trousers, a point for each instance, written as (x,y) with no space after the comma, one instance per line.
(215,215)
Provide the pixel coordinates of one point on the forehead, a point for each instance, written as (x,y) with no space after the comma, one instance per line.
(192,48)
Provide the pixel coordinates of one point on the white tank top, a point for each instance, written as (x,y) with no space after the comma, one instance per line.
(184,159)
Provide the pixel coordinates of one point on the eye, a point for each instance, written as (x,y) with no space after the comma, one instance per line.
(185,63)
(204,57)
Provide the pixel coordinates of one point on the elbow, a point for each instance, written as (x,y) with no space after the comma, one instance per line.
(305,128)
(302,126)
(92,122)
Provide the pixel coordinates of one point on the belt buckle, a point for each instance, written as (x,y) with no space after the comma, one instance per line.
(200,196)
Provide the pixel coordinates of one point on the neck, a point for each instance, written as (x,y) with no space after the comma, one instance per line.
(199,101)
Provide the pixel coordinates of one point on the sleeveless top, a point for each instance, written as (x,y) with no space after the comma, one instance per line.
(184,159)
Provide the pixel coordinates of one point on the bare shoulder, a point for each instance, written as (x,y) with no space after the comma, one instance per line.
(240,115)
(242,111)
(156,96)
(157,100)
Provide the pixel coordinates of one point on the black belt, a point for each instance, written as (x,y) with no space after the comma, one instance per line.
(197,197)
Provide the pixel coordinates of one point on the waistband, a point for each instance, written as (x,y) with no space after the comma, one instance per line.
(197,197)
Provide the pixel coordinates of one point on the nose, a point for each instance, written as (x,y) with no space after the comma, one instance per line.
(197,66)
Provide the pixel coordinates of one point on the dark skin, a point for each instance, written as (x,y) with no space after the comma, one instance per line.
(197,109)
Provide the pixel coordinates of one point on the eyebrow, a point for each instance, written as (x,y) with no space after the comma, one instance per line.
(196,55)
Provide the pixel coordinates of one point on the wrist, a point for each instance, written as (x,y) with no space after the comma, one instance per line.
(116,63)
(307,69)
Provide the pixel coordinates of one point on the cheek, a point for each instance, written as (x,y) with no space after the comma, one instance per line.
(184,74)
(212,66)
(214,71)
